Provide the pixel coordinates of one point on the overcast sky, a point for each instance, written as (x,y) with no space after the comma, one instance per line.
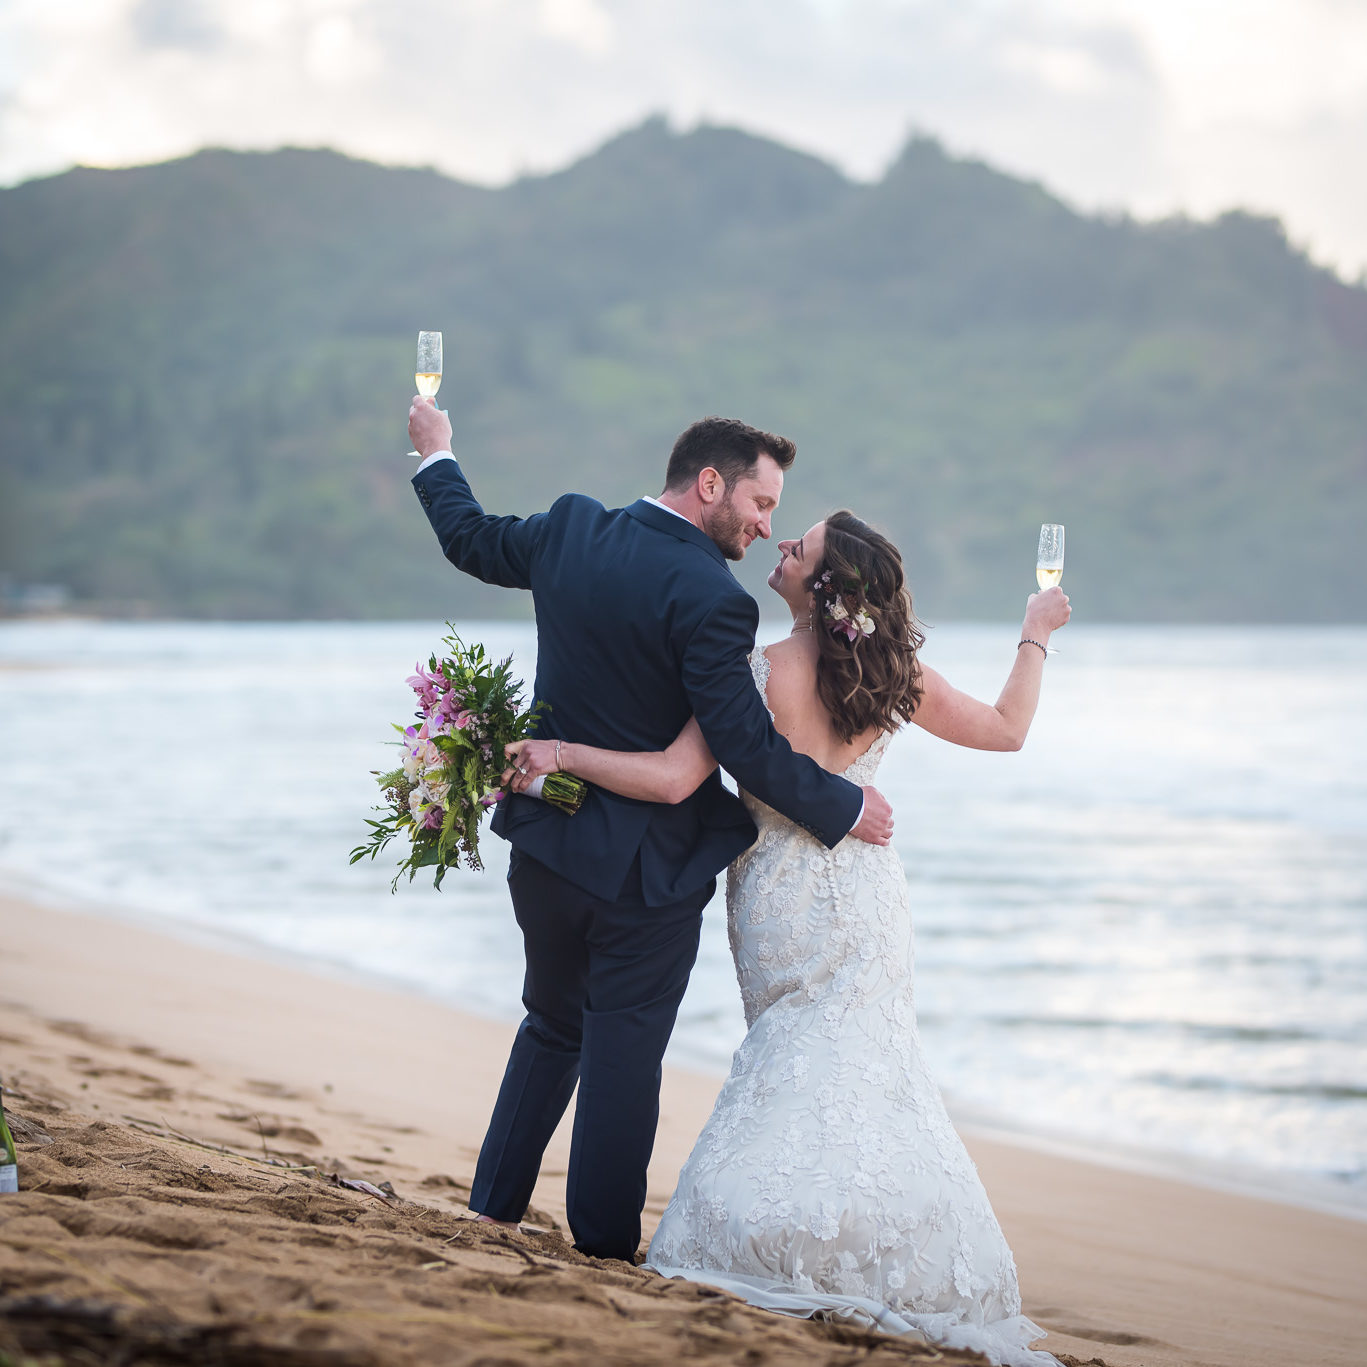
(1153,106)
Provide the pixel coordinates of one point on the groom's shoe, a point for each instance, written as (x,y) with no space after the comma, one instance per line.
(502,1224)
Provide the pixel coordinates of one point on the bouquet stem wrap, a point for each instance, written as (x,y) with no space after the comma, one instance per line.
(452,762)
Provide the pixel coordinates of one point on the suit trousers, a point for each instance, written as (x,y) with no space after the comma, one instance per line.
(602,989)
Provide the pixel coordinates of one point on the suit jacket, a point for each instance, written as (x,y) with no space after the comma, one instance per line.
(640,624)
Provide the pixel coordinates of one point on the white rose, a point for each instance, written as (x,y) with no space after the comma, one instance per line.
(415,801)
(437,790)
(838,611)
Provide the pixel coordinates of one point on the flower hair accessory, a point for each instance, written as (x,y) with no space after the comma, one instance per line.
(844,623)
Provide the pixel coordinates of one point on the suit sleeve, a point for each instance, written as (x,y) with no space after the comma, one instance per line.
(741,734)
(498,550)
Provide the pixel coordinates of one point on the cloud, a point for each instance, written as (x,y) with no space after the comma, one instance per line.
(584,24)
(185,24)
(1150,105)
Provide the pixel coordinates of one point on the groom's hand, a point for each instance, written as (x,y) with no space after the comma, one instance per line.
(875,826)
(429,429)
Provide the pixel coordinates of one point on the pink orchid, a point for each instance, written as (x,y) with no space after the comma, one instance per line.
(489,799)
(432,821)
(429,685)
(450,708)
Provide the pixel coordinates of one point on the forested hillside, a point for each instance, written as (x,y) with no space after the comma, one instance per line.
(205,367)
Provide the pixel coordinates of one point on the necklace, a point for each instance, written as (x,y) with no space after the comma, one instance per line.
(801,626)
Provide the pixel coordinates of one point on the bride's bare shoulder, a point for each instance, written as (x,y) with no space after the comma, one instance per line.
(791,654)
(792,671)
(798,711)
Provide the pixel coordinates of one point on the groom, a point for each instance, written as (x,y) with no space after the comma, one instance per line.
(640,625)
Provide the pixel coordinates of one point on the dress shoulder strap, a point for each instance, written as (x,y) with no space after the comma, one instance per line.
(759,668)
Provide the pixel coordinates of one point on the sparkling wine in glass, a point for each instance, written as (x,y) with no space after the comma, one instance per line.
(427,373)
(1049,561)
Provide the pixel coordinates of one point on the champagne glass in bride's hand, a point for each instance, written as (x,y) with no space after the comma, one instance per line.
(1049,561)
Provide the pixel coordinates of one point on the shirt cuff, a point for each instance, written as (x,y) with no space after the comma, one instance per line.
(860,817)
(436,455)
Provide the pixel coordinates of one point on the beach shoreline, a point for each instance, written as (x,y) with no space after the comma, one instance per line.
(109,1018)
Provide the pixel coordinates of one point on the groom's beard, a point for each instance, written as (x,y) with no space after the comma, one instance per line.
(726,527)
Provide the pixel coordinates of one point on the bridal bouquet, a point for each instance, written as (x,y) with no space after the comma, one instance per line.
(452,762)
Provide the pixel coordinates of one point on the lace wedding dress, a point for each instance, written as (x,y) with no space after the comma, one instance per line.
(829,1178)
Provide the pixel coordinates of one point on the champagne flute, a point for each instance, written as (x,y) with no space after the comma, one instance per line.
(1049,561)
(427,372)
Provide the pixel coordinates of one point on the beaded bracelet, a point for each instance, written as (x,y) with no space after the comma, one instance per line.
(1026,641)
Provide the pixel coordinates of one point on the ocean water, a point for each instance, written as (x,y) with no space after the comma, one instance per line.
(1146,932)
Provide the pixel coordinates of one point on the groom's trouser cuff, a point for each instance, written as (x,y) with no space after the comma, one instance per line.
(537,1085)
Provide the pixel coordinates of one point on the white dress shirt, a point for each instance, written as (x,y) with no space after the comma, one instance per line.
(432,459)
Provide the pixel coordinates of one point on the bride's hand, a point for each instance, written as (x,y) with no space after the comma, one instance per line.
(1046,611)
(528,759)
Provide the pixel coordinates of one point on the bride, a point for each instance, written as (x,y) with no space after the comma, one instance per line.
(829,1178)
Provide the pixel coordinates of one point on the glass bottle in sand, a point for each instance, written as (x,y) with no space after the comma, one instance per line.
(9,1160)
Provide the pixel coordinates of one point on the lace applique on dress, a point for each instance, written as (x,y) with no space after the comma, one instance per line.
(829,1178)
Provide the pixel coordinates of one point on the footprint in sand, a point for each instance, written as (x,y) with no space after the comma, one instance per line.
(150,1088)
(154,1091)
(1119,1337)
(277,1090)
(146,1051)
(295,1134)
(79,1030)
(87,1067)
(439,1181)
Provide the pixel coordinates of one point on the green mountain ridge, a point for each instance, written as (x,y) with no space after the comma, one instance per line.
(204,376)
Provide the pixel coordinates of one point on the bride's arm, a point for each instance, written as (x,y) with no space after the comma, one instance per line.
(651,775)
(962,720)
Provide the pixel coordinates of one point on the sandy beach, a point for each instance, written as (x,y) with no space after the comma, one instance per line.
(185,1107)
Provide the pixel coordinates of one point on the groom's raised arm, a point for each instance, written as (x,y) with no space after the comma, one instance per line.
(741,734)
(498,550)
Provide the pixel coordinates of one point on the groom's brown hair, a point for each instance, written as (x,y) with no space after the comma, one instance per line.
(729,446)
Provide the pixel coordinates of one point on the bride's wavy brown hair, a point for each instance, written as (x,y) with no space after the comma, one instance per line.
(875,679)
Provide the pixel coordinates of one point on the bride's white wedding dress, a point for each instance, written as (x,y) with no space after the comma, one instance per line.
(829,1178)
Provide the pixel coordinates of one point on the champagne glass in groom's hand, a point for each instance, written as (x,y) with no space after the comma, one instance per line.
(427,369)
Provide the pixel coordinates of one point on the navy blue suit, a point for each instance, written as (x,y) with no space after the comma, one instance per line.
(640,625)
